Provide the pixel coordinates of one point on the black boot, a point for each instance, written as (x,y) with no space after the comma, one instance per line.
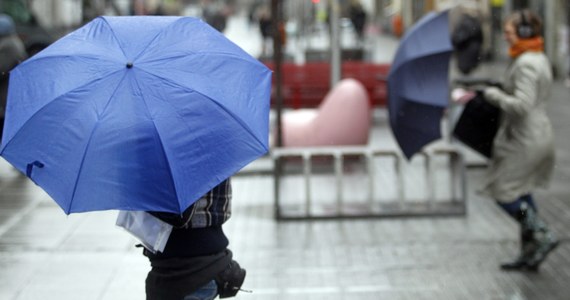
(537,241)
(527,246)
(527,243)
(544,240)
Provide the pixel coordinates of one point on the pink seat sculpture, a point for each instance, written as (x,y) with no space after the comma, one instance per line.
(343,118)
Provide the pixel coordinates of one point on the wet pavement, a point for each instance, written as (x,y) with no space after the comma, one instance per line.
(45,254)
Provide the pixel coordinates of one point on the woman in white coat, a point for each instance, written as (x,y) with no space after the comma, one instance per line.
(523,150)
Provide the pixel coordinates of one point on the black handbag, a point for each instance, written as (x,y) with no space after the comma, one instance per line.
(478,125)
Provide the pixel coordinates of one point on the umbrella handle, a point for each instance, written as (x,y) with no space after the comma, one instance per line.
(31,166)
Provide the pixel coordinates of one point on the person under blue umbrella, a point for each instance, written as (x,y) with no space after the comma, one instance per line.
(196,263)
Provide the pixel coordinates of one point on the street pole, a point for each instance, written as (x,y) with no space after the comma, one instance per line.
(277,60)
(335,43)
(379,12)
(407,14)
(550,33)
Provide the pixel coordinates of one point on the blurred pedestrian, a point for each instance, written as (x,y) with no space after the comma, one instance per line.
(358,18)
(397,25)
(215,13)
(252,11)
(196,263)
(265,27)
(12,52)
(523,150)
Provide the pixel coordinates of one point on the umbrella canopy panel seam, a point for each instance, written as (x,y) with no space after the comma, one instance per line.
(7,137)
(218,80)
(414,62)
(233,116)
(119,43)
(166,158)
(209,53)
(191,22)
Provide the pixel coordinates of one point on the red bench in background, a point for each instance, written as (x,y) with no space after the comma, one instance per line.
(306,85)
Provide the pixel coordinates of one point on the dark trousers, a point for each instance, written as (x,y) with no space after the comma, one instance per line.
(514,208)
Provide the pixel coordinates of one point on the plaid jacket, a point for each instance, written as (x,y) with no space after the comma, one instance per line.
(212,209)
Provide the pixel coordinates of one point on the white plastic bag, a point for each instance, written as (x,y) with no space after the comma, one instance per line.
(152,232)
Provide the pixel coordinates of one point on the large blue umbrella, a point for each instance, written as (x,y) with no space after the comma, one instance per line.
(418,87)
(136,113)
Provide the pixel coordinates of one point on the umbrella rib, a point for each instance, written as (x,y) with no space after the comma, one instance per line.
(154,38)
(53,56)
(244,125)
(87,147)
(392,74)
(114,36)
(180,209)
(68,210)
(228,54)
(47,103)
(181,41)
(225,54)
(161,143)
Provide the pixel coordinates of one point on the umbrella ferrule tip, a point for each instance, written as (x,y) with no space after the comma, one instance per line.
(129,65)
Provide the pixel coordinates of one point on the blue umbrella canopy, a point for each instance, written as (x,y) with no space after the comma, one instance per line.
(136,113)
(418,85)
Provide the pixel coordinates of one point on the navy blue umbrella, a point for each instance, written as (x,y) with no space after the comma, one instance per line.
(418,86)
(136,113)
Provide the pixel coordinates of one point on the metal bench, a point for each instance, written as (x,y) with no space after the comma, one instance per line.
(381,183)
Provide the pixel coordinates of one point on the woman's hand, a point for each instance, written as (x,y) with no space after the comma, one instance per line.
(462,96)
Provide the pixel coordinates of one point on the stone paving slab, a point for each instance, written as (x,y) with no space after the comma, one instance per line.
(46,254)
(52,256)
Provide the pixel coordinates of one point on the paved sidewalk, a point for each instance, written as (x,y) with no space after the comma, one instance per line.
(45,254)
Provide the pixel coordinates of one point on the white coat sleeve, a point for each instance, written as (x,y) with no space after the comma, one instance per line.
(524,95)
